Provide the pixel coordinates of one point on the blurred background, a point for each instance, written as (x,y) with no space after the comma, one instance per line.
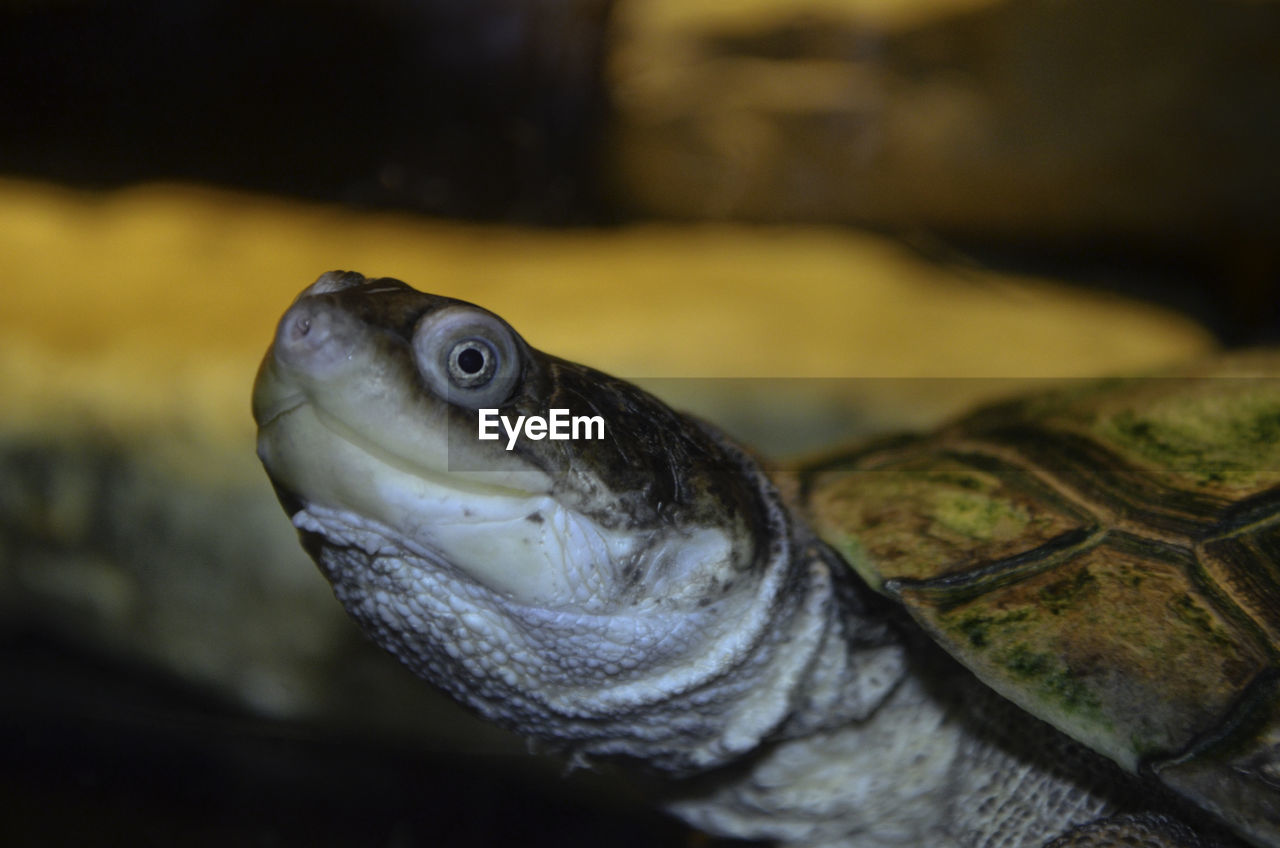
(806,219)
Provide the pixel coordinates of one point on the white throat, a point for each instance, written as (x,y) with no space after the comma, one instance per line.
(678,676)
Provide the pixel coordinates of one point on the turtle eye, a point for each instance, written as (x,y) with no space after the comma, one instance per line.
(472,363)
(467,356)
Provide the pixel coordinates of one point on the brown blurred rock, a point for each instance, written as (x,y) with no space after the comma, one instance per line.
(1147,121)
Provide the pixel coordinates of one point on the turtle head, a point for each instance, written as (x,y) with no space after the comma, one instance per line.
(371,404)
(563,586)
(624,592)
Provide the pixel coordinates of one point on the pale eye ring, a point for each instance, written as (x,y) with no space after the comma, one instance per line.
(472,363)
(467,356)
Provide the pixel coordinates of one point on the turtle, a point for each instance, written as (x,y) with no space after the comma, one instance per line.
(1053,621)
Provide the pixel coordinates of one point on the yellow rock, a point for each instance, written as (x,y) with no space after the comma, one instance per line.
(156,303)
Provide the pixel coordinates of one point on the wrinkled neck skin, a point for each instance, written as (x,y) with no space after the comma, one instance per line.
(685,676)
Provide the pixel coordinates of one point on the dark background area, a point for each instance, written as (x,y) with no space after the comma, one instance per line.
(458,109)
(93,752)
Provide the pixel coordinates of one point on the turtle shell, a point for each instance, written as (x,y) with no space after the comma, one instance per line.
(1105,555)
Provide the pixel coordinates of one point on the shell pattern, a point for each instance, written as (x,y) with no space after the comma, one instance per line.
(1107,556)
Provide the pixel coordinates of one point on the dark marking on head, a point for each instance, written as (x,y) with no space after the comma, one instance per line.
(535,517)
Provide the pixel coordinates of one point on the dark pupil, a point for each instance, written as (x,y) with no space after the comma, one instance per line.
(471,360)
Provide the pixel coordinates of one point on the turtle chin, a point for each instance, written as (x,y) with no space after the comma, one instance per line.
(562,668)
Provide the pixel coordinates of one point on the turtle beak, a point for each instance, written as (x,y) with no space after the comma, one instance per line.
(272,396)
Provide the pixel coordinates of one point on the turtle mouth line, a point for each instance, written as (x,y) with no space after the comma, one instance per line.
(281,408)
(336,428)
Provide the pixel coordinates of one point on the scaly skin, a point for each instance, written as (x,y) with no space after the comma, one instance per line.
(647,596)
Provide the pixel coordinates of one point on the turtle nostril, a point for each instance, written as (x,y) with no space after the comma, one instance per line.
(310,333)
